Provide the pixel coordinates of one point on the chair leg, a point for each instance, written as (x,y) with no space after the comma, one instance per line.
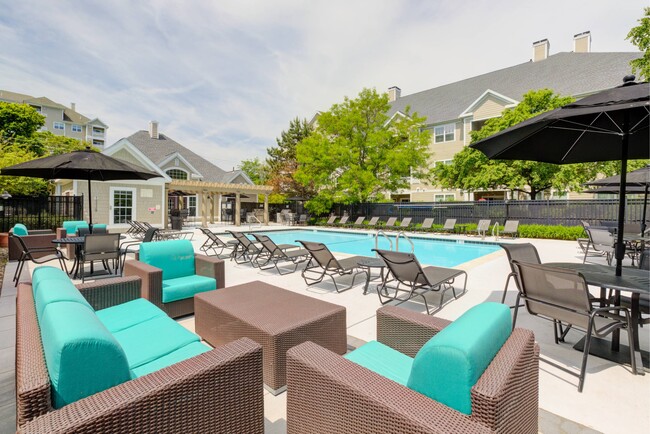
(505,289)
(585,355)
(514,315)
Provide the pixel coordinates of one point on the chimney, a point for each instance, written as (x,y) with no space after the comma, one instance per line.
(73,107)
(394,93)
(582,42)
(540,50)
(153,129)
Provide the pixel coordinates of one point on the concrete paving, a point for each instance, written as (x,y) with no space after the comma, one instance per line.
(613,399)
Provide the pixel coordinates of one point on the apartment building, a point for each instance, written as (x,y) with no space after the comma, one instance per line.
(62,120)
(454,110)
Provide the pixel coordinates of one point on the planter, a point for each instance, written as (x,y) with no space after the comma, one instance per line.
(4,240)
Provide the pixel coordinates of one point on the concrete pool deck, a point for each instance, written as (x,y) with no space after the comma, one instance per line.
(613,399)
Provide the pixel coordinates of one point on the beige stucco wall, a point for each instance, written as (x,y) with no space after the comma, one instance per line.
(446,150)
(490,107)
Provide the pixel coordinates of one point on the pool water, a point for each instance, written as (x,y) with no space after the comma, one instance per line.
(443,253)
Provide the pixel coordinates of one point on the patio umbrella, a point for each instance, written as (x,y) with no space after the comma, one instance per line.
(86,164)
(609,125)
(637,181)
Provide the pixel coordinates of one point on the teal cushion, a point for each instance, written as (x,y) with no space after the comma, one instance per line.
(174,257)
(185,287)
(447,367)
(183,353)
(152,339)
(53,288)
(20,229)
(383,360)
(125,315)
(70,226)
(82,357)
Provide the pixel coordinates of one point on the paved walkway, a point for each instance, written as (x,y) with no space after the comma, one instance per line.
(613,400)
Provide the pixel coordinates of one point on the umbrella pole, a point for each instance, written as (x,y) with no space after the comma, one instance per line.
(90,207)
(620,246)
(645,207)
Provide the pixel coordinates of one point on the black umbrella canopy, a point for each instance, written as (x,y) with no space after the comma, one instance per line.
(636,178)
(610,125)
(86,164)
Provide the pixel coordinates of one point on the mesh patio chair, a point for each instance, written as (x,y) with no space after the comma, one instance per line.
(405,224)
(449,226)
(426,224)
(331,220)
(405,269)
(644,299)
(37,255)
(302,220)
(601,242)
(214,243)
(358,222)
(246,251)
(522,253)
(100,247)
(511,228)
(343,221)
(134,245)
(482,227)
(273,254)
(322,263)
(562,296)
(390,223)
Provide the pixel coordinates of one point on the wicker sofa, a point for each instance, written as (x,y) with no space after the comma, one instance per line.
(32,239)
(203,393)
(160,264)
(327,393)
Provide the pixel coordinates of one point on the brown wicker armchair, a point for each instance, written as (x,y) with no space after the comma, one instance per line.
(327,393)
(201,394)
(152,282)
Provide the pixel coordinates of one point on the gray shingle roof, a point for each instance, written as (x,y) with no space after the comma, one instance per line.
(573,74)
(158,150)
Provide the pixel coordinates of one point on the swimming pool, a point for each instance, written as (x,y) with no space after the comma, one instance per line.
(444,253)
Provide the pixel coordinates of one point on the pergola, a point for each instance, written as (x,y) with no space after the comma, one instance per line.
(209,192)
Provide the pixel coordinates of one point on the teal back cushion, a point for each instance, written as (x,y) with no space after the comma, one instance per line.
(20,229)
(174,257)
(447,367)
(70,226)
(81,355)
(52,285)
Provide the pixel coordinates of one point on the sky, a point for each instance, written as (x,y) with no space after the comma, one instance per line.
(225,78)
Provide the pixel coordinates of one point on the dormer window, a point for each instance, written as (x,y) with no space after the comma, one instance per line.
(177,174)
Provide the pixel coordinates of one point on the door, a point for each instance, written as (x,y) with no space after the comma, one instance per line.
(122,207)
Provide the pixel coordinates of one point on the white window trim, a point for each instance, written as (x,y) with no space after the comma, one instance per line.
(187,172)
(54,124)
(74,128)
(134,206)
(444,133)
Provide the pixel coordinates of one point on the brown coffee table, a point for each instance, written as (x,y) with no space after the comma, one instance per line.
(275,318)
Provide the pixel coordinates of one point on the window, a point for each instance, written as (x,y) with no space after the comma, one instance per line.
(445,162)
(76,128)
(59,126)
(444,197)
(98,143)
(444,133)
(123,205)
(191,205)
(177,174)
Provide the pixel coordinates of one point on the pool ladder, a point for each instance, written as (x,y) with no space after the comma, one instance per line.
(390,241)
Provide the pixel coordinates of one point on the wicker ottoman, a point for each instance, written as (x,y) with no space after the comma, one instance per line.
(275,318)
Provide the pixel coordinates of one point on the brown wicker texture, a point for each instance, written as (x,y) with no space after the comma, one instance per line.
(152,282)
(68,249)
(275,318)
(218,391)
(324,389)
(35,239)
(110,292)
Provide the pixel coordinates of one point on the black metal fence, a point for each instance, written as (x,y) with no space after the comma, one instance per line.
(544,212)
(46,212)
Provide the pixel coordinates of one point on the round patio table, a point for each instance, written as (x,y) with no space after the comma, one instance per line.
(368,264)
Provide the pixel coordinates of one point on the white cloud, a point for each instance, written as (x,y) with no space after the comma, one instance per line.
(225,78)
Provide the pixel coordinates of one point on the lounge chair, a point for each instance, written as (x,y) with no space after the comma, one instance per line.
(518,252)
(245,251)
(327,392)
(482,227)
(449,226)
(343,221)
(405,224)
(322,263)
(426,225)
(562,296)
(272,253)
(390,223)
(601,242)
(510,228)
(302,220)
(359,222)
(214,243)
(405,269)
(331,220)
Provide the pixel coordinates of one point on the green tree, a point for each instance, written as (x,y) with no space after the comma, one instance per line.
(355,154)
(640,36)
(19,120)
(45,143)
(283,163)
(256,169)
(19,185)
(471,170)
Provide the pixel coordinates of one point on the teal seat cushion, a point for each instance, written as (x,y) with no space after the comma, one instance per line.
(183,353)
(152,339)
(81,355)
(70,226)
(20,229)
(181,288)
(174,257)
(51,287)
(383,360)
(125,315)
(447,367)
